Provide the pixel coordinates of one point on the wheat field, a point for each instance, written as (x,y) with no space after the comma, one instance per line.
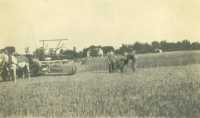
(150,60)
(168,59)
(161,91)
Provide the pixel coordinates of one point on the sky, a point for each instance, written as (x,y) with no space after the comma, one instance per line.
(97,22)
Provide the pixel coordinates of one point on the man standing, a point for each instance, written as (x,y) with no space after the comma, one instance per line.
(12,66)
(111,61)
(4,65)
(133,59)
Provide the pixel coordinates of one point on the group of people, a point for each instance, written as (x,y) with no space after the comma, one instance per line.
(8,64)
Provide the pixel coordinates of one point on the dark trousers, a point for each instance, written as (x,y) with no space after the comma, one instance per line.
(111,67)
(133,66)
(5,73)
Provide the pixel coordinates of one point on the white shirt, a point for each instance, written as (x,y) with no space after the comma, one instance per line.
(100,52)
(14,60)
(88,53)
(5,57)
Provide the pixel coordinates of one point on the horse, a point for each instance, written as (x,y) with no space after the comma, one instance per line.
(117,63)
(23,67)
(20,69)
(121,62)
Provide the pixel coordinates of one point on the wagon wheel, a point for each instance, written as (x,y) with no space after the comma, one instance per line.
(35,68)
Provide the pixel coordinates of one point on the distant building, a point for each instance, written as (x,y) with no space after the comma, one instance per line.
(100,52)
(88,53)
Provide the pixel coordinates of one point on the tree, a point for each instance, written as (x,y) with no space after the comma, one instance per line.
(107,49)
(139,47)
(10,49)
(40,53)
(122,49)
(147,48)
(195,45)
(70,54)
(155,45)
(163,45)
(186,44)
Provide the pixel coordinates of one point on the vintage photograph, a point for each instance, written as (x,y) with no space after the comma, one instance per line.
(99,59)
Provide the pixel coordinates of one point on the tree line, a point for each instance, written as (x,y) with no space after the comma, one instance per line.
(163,45)
(137,46)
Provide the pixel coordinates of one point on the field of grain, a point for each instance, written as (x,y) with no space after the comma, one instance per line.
(148,60)
(163,91)
(152,91)
(168,59)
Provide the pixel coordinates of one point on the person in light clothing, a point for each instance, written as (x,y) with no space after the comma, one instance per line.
(88,53)
(12,65)
(100,52)
(111,61)
(4,65)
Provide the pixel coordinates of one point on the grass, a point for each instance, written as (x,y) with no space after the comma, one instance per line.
(162,91)
(168,59)
(150,60)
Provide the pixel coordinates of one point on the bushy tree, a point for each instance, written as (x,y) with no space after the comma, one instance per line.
(70,54)
(155,45)
(107,49)
(186,44)
(10,49)
(195,45)
(122,49)
(40,53)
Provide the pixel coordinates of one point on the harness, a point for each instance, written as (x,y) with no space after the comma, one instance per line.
(131,57)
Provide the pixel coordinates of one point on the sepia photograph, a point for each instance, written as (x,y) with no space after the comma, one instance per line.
(99,59)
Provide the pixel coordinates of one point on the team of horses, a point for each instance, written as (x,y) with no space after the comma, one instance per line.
(118,62)
(22,69)
(121,62)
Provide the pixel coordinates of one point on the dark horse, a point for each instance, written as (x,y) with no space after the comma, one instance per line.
(23,68)
(121,62)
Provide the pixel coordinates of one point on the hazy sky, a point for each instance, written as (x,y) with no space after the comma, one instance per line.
(100,22)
